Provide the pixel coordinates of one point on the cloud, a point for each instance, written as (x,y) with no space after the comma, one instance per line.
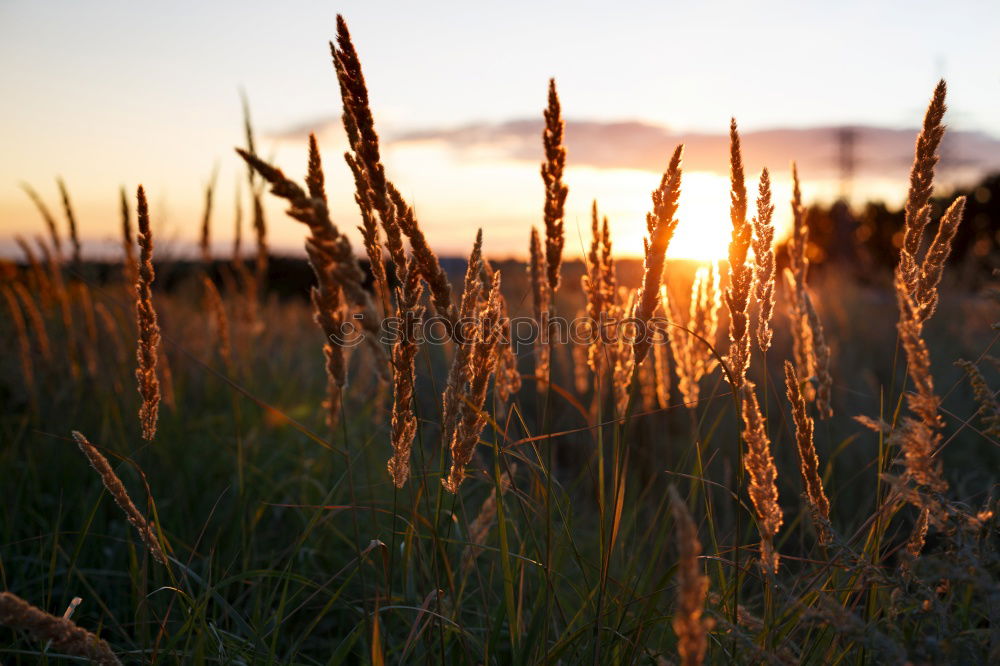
(637,145)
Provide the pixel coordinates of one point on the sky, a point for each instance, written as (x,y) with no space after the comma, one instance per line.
(110,93)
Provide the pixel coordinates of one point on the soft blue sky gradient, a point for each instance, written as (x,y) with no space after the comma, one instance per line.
(111,92)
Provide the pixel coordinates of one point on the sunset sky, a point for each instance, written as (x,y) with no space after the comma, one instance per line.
(108,93)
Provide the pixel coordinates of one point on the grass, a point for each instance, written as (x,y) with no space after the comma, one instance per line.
(588,516)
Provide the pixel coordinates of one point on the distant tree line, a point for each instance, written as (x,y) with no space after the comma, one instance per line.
(868,239)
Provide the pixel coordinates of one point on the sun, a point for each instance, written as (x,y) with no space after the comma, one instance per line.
(704,227)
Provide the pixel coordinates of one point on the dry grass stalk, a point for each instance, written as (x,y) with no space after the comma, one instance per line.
(146,323)
(581,371)
(238,225)
(540,299)
(131,266)
(166,379)
(40,281)
(86,306)
(740,271)
(205,243)
(798,242)
(808,459)
(404,351)
(461,371)
(74,234)
(114,486)
(916,283)
(918,537)
(692,358)
(599,286)
(646,374)
(34,317)
(763,487)
(472,417)
(622,353)
(803,346)
(555,189)
(247,305)
(917,209)
(65,310)
(50,221)
(427,261)
(330,252)
(763,251)
(989,407)
(259,222)
(216,310)
(508,380)
(111,331)
(692,587)
(661,221)
(327,298)
(395,214)
(61,632)
(661,362)
(479,528)
(369,230)
(820,359)
(23,341)
(371,184)
(804,342)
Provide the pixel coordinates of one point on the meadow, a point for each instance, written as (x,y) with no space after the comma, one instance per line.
(211,460)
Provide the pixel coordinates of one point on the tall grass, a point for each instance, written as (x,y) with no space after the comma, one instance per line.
(638,502)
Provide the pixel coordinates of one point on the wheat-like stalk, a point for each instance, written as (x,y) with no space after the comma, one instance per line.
(555,189)
(989,406)
(661,359)
(331,256)
(661,222)
(479,528)
(916,282)
(404,351)
(64,634)
(507,381)
(62,299)
(917,210)
(763,486)
(259,221)
(737,296)
(42,284)
(808,459)
(763,252)
(50,221)
(34,317)
(820,359)
(205,243)
(130,269)
(396,215)
(147,352)
(472,417)
(369,229)
(112,331)
(622,354)
(692,587)
(216,310)
(23,341)
(461,370)
(541,299)
(117,490)
(82,295)
(692,358)
(74,233)
(597,283)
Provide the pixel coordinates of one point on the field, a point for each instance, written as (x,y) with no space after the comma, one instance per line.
(234,460)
